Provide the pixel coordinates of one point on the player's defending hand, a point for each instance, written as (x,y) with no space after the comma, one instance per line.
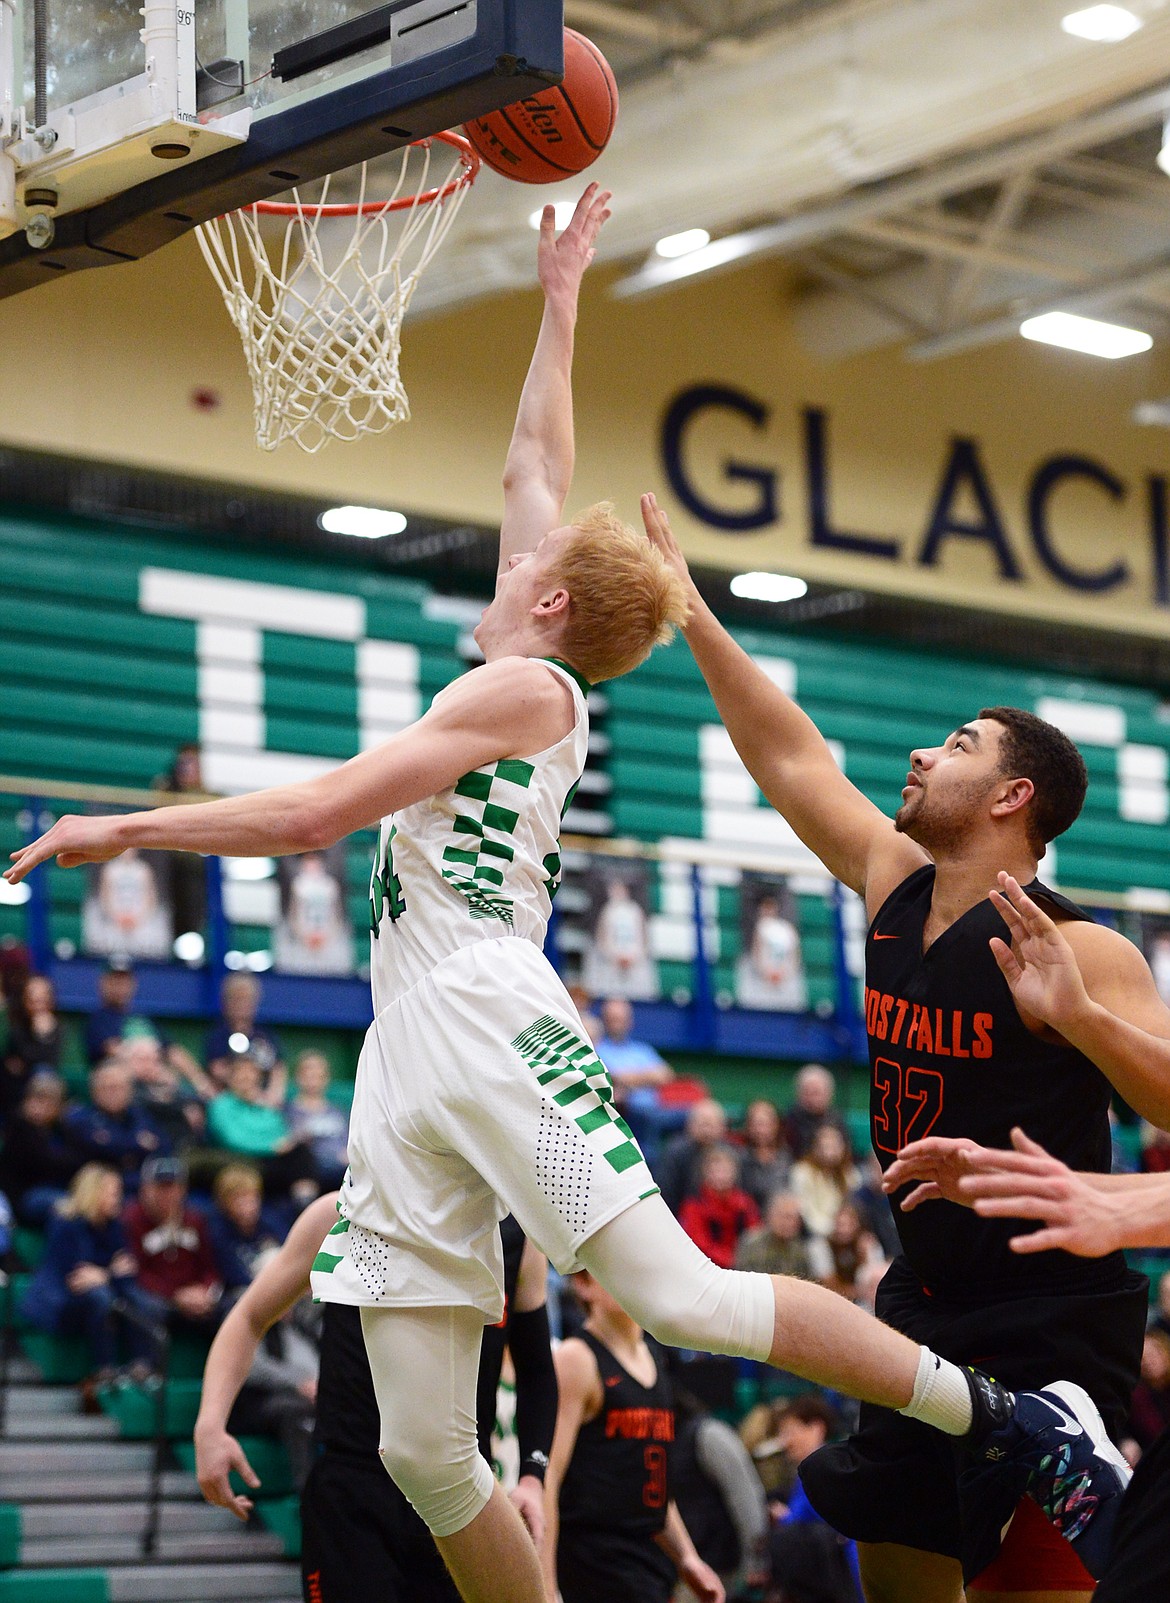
(561,262)
(72,841)
(940,1164)
(660,534)
(1039,965)
(1028,1183)
(216,1455)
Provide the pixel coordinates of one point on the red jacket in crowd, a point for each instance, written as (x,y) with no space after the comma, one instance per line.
(715,1220)
(170,1256)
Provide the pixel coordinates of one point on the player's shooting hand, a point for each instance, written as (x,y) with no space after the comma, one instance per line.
(1039,965)
(527,1497)
(1028,1183)
(216,1455)
(71,841)
(938,1163)
(561,262)
(701,1579)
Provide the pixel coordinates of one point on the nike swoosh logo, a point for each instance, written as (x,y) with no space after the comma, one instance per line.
(878,937)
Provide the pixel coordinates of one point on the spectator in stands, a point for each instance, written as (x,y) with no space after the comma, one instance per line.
(240,1231)
(815,1091)
(763,1160)
(318,1121)
(590,1018)
(1155,1150)
(720,1497)
(34,1039)
(171,1247)
(279,1396)
(777,1247)
(638,1074)
(720,1213)
(112,1129)
(823,1179)
(237,1034)
(85,1283)
(874,1205)
(678,1168)
(841,1258)
(240,1121)
(1149,1412)
(810,1562)
(113,1019)
(171,1100)
(39,1156)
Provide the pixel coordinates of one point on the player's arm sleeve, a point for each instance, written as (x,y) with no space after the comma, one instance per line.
(725,1461)
(536,1388)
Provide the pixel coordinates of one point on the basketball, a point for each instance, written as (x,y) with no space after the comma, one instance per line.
(558,132)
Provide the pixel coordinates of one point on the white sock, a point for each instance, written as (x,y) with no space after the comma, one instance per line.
(941,1397)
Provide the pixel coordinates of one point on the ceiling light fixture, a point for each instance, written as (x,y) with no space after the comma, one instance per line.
(1105,25)
(564,210)
(768,587)
(682,244)
(1085,334)
(363,523)
(1163,156)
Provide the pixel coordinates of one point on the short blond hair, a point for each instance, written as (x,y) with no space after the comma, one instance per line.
(235,1178)
(84,1190)
(624,598)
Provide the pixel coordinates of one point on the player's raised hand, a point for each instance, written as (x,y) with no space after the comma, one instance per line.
(939,1164)
(561,261)
(1039,965)
(1028,1183)
(72,841)
(660,534)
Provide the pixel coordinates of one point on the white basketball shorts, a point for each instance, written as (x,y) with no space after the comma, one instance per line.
(477,1095)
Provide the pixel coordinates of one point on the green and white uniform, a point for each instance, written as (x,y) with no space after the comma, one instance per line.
(477,1093)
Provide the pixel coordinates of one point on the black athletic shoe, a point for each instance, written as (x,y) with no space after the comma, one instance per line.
(1053,1443)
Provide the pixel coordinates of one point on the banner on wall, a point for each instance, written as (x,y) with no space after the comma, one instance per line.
(769,972)
(127,907)
(616,958)
(313,934)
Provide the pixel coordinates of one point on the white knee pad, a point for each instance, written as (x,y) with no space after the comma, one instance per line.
(647,1261)
(424,1363)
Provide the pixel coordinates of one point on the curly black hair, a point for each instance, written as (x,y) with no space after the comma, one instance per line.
(1032,749)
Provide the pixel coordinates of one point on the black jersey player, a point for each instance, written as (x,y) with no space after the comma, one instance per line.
(963,1043)
(360,1537)
(612,1530)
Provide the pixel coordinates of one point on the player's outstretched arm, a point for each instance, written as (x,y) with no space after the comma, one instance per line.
(785,752)
(539,468)
(273,1292)
(510,708)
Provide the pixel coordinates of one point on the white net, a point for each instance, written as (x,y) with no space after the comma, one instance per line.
(319,303)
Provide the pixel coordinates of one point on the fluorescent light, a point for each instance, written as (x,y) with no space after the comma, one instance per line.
(364,523)
(1085,334)
(237,1040)
(682,244)
(1163,156)
(656,274)
(768,587)
(189,947)
(259,962)
(14,895)
(1102,24)
(564,210)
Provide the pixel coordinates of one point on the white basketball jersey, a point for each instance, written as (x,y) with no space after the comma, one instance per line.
(474,862)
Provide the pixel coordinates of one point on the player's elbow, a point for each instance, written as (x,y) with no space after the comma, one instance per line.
(316,825)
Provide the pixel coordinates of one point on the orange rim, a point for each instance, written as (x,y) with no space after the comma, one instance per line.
(469,158)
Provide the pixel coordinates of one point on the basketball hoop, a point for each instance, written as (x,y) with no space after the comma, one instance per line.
(320,318)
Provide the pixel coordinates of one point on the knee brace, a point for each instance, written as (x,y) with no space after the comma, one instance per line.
(647,1261)
(424,1363)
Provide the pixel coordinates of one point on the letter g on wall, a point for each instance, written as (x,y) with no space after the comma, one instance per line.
(681,413)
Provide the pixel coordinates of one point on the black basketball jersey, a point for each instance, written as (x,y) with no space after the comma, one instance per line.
(618,1479)
(950,1056)
(347,1410)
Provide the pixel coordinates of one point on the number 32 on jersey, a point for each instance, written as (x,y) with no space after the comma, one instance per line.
(906,1104)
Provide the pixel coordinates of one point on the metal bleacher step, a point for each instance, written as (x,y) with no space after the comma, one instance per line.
(53,1429)
(50,1486)
(92,1549)
(189,1583)
(42,1520)
(91,1459)
(27,1400)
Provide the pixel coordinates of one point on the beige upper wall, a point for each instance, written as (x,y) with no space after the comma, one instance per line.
(105,363)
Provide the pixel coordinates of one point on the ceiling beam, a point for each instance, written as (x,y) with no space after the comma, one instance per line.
(895,194)
(925,241)
(1090,298)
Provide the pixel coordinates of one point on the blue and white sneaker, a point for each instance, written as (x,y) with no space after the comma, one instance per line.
(1053,1443)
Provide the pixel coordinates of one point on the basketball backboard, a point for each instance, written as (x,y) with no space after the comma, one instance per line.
(123,124)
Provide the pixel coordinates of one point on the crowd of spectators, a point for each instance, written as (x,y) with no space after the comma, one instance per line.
(161,1178)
